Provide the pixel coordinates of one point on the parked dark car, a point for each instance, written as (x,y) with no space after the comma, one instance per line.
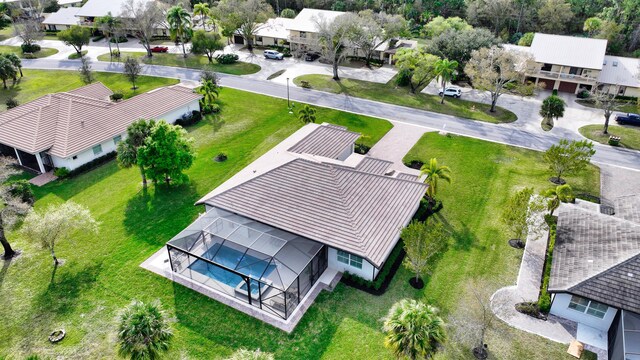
(630,119)
(311,56)
(159,49)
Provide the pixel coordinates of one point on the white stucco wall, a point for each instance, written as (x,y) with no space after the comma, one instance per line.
(367,271)
(109,145)
(560,307)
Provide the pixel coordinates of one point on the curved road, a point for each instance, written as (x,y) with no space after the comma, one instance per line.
(501,133)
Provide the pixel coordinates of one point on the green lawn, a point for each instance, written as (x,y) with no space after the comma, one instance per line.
(36,83)
(6,33)
(44,52)
(627,107)
(102,273)
(393,94)
(76,56)
(191,61)
(629,136)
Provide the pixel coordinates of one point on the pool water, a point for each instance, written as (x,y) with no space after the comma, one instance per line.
(233,259)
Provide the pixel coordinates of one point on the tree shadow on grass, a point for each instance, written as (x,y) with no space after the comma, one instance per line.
(464,238)
(5,267)
(61,296)
(157,213)
(68,188)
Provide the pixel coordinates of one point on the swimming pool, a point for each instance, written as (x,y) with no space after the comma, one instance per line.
(233,259)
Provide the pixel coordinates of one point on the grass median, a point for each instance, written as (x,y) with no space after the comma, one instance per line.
(629,137)
(390,93)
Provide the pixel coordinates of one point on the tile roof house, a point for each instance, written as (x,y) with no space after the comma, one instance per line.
(595,273)
(71,128)
(308,207)
(569,64)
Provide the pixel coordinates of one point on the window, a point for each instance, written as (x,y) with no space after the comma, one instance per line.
(117,139)
(303,34)
(75,157)
(592,308)
(352,260)
(97,150)
(546,67)
(258,38)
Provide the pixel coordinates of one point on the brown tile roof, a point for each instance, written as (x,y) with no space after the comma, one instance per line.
(598,256)
(328,141)
(358,212)
(68,123)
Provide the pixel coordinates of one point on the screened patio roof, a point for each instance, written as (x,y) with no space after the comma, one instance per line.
(253,249)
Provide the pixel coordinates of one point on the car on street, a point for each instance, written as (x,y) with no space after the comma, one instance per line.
(159,49)
(629,119)
(272,54)
(451,91)
(311,56)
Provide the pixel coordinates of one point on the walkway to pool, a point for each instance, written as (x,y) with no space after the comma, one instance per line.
(159,263)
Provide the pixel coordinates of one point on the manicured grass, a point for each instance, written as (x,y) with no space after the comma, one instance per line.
(191,61)
(484,176)
(393,94)
(6,33)
(75,55)
(44,52)
(276,74)
(629,136)
(37,83)
(626,107)
(102,273)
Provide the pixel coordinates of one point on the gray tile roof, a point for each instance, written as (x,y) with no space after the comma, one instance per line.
(358,212)
(595,253)
(410,177)
(373,165)
(329,141)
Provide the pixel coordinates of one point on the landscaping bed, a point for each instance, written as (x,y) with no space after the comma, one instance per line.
(44,52)
(627,106)
(629,136)
(191,62)
(380,284)
(393,94)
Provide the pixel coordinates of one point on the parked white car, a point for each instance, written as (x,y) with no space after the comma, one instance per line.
(272,54)
(451,91)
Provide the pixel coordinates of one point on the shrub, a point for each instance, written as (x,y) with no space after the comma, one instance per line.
(210,109)
(116,96)
(583,94)
(415,164)
(528,308)
(555,92)
(30,48)
(115,53)
(11,103)
(220,157)
(305,84)
(97,38)
(22,189)
(403,78)
(121,39)
(227,58)
(544,301)
(90,165)
(62,172)
(379,285)
(636,53)
(626,98)
(189,119)
(361,148)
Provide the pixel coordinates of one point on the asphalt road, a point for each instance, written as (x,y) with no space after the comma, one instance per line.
(501,133)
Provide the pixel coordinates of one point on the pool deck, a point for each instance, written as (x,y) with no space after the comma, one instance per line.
(159,263)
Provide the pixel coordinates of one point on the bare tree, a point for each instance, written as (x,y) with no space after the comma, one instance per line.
(423,241)
(142,18)
(374,29)
(492,69)
(28,30)
(86,73)
(333,38)
(604,98)
(244,16)
(12,207)
(132,70)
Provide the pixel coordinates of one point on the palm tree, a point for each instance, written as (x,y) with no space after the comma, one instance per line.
(144,331)
(109,25)
(435,173)
(307,114)
(445,70)
(179,21)
(15,61)
(203,10)
(209,91)
(413,329)
(7,71)
(552,107)
(561,193)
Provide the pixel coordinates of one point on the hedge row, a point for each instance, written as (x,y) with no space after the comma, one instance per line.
(544,300)
(381,283)
(65,173)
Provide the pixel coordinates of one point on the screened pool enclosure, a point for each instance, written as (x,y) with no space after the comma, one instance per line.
(255,263)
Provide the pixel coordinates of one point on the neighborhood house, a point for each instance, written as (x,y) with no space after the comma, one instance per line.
(283,228)
(595,275)
(69,129)
(571,64)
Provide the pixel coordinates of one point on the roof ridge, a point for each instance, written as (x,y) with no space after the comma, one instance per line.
(604,216)
(347,206)
(82,99)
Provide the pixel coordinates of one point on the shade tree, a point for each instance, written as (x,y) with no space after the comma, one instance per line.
(206,43)
(521,214)
(554,16)
(459,45)
(245,16)
(142,18)
(374,29)
(419,64)
(423,242)
(333,38)
(76,36)
(568,158)
(439,25)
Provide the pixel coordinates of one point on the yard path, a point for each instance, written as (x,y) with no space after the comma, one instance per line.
(396,144)
(509,134)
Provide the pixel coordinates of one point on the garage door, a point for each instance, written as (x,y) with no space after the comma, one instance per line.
(237,39)
(568,87)
(548,84)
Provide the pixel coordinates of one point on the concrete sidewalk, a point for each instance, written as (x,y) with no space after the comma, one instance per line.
(396,144)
